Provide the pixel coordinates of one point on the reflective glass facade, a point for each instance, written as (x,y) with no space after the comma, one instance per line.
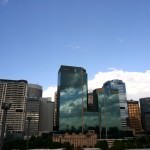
(72,97)
(115,93)
(110,108)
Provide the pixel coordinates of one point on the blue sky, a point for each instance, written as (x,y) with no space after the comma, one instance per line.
(37,36)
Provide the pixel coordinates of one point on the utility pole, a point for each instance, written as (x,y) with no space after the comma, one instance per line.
(5,107)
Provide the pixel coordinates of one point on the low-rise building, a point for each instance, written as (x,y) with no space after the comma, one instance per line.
(77,140)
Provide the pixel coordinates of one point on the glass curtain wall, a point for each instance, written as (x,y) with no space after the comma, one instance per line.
(110,112)
(72,98)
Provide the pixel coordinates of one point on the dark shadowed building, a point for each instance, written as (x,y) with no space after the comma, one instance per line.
(145,113)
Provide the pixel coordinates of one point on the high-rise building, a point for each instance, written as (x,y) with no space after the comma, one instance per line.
(34,95)
(110,111)
(56,119)
(92,104)
(98,96)
(145,113)
(46,115)
(115,95)
(134,116)
(72,98)
(14,92)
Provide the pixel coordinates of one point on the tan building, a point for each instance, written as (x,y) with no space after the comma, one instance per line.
(134,116)
(77,140)
(14,92)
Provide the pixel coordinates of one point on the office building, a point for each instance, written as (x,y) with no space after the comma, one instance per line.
(34,95)
(145,113)
(46,115)
(77,140)
(72,98)
(113,108)
(134,116)
(14,92)
(92,102)
(98,95)
(56,119)
(110,114)
(115,90)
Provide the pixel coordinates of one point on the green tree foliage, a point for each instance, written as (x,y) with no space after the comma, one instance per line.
(141,142)
(68,146)
(118,145)
(36,142)
(102,144)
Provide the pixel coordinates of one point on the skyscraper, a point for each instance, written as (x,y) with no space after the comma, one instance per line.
(56,119)
(34,95)
(72,97)
(98,95)
(115,90)
(14,92)
(92,104)
(134,116)
(46,115)
(145,113)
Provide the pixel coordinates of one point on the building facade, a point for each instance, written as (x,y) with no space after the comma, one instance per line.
(46,115)
(110,111)
(77,140)
(34,95)
(134,116)
(116,90)
(56,119)
(98,95)
(113,109)
(15,93)
(145,113)
(72,97)
(92,102)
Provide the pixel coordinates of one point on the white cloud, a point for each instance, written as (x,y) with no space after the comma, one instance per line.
(50,92)
(137,83)
(3,2)
(73,46)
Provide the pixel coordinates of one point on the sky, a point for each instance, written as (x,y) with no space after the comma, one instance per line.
(110,39)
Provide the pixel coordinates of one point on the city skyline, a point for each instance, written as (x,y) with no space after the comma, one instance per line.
(36,37)
(137,83)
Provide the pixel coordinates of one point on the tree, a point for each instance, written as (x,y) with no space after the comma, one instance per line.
(118,145)
(102,144)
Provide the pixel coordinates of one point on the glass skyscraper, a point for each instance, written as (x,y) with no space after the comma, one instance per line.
(115,90)
(105,110)
(72,98)
(113,107)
